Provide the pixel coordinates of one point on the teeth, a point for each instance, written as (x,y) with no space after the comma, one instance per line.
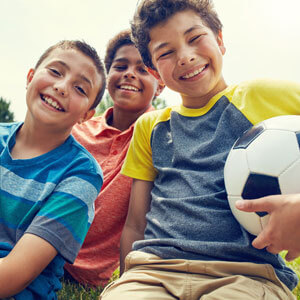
(192,74)
(129,87)
(52,103)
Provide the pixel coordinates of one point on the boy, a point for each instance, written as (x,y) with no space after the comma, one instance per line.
(107,138)
(186,242)
(48,181)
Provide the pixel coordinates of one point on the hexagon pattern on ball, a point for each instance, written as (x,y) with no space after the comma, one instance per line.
(264,161)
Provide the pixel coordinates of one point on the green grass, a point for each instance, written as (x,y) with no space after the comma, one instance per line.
(72,291)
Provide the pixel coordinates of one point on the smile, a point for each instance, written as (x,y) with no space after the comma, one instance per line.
(129,88)
(192,74)
(52,103)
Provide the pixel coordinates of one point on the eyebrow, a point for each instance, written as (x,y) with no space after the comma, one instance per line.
(162,45)
(80,76)
(123,59)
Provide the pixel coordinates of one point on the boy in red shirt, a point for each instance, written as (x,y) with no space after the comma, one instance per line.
(107,138)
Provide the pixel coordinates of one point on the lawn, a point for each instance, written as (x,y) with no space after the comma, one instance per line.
(78,292)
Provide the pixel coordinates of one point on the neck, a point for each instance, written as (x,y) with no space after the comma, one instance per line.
(122,120)
(33,141)
(198,102)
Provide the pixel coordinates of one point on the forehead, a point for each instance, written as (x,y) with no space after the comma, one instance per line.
(79,64)
(128,52)
(179,24)
(71,57)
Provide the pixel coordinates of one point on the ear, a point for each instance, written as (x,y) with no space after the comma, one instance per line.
(30,76)
(160,88)
(161,85)
(221,43)
(89,114)
(154,73)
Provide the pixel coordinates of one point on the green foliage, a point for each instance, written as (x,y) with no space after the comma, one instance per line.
(159,103)
(105,103)
(5,114)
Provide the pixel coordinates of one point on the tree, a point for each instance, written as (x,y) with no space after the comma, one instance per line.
(107,102)
(5,114)
(159,103)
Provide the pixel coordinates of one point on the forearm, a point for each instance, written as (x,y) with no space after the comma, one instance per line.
(24,263)
(10,281)
(129,236)
(136,218)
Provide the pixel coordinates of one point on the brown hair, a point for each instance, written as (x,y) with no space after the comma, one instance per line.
(150,13)
(87,50)
(121,39)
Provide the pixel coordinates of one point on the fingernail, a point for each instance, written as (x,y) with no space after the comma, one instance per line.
(240,204)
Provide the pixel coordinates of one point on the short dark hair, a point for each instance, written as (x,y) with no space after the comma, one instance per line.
(87,50)
(123,38)
(150,13)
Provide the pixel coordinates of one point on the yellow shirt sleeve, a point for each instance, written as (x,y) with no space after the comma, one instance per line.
(260,99)
(138,163)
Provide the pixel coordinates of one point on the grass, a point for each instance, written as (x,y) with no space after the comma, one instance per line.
(72,291)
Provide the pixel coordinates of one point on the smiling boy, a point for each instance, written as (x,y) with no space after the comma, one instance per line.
(48,181)
(107,138)
(186,243)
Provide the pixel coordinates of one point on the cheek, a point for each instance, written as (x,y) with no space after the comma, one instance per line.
(111,82)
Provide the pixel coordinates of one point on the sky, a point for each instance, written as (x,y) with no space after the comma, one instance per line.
(262,38)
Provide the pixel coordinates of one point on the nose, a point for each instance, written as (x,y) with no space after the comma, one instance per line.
(185,57)
(60,88)
(130,74)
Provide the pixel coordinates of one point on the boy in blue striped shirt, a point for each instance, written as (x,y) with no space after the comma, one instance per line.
(48,181)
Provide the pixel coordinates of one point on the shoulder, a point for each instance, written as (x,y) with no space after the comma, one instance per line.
(7,129)
(151,118)
(84,157)
(267,87)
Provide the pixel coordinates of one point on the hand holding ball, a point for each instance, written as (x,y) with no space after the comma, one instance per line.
(264,161)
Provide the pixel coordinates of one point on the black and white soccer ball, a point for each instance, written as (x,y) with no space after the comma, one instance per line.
(264,161)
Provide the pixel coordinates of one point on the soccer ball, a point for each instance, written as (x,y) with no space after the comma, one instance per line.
(265,160)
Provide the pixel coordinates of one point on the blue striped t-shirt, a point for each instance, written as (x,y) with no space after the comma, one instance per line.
(51,196)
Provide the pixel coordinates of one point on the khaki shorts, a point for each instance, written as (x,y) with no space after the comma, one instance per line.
(149,277)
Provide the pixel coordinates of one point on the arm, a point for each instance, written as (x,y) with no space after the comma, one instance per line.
(135,224)
(283,229)
(24,263)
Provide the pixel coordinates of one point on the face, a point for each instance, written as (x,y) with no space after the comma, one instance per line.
(62,89)
(131,87)
(188,57)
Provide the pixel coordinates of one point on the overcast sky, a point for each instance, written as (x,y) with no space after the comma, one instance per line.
(262,37)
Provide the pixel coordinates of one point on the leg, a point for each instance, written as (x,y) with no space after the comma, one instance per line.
(136,285)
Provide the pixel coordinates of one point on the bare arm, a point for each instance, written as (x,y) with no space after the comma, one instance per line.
(135,224)
(283,229)
(24,263)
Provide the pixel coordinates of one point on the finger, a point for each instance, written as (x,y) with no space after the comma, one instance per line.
(261,241)
(272,249)
(259,205)
(291,255)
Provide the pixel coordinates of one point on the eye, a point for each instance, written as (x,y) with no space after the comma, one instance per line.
(80,90)
(55,72)
(120,67)
(195,38)
(142,70)
(163,55)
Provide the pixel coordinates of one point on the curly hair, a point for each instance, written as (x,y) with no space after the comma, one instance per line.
(150,13)
(88,51)
(123,38)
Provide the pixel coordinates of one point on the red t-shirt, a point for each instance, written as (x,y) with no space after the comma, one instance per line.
(99,255)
